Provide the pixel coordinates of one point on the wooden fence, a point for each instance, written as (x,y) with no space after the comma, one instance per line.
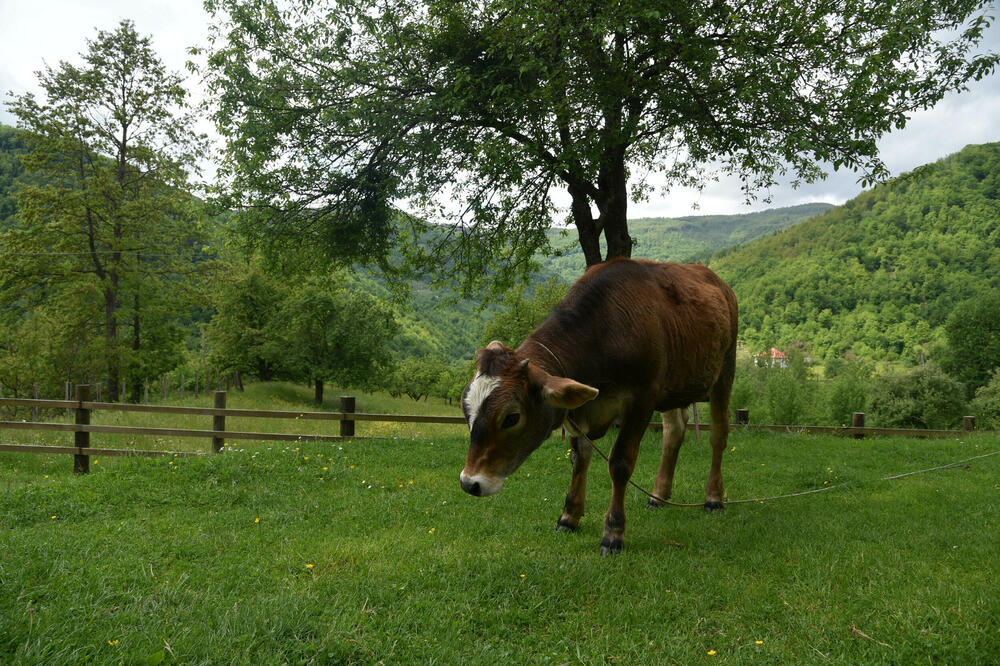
(82,407)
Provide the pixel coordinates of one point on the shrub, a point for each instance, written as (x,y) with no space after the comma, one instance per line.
(783,396)
(986,405)
(847,393)
(924,397)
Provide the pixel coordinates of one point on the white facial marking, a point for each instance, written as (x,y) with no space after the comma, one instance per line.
(488,485)
(479,390)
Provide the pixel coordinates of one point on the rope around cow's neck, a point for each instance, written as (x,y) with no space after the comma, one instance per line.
(775,497)
(562,368)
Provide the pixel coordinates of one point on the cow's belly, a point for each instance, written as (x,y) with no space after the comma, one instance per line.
(678,399)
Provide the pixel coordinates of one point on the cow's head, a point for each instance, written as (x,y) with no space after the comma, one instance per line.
(512,406)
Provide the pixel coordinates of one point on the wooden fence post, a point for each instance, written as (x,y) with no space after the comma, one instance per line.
(145,395)
(219,421)
(347,405)
(195,383)
(34,394)
(968,423)
(182,385)
(858,421)
(164,388)
(81,462)
(69,393)
(98,385)
(743,417)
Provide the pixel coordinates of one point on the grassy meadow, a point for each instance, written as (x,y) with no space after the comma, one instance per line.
(369,552)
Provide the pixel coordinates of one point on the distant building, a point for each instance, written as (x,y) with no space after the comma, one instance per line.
(774,358)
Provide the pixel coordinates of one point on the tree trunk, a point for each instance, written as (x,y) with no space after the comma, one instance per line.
(136,385)
(613,184)
(264,372)
(112,357)
(588,231)
(319,392)
(613,220)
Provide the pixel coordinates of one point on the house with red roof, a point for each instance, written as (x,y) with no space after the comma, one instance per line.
(774,358)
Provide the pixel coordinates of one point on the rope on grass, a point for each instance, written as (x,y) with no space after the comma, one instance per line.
(799,494)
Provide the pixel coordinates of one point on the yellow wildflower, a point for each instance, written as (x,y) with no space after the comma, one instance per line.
(309,566)
(711,653)
(256,520)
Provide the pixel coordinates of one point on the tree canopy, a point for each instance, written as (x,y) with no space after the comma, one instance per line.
(338,113)
(106,237)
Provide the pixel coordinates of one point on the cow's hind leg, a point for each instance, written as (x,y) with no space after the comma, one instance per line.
(674,427)
(581,451)
(715,494)
(621,463)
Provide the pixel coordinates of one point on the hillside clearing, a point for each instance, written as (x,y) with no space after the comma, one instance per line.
(369,552)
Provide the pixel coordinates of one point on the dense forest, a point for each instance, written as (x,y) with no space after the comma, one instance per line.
(436,322)
(877,278)
(902,275)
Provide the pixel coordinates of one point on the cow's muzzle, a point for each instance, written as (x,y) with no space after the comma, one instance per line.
(481,485)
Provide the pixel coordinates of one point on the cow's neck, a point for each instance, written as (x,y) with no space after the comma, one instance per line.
(549,351)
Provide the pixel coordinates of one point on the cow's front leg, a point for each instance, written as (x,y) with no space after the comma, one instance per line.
(580,452)
(621,462)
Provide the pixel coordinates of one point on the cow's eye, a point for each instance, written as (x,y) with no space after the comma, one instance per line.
(510,420)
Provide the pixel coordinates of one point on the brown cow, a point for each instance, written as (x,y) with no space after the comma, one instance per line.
(630,338)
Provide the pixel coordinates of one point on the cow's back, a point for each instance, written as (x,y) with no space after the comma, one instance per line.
(662,330)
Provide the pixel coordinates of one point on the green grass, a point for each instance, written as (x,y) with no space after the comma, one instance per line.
(164,560)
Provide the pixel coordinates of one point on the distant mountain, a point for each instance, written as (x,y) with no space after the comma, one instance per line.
(877,277)
(682,239)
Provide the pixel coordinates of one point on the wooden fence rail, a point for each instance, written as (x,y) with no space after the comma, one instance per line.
(82,407)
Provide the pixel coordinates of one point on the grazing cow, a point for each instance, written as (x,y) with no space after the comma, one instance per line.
(631,337)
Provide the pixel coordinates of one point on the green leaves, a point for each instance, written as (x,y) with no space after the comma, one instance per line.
(471,115)
(105,229)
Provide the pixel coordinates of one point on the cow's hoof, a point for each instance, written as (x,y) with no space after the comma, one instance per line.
(714,507)
(565,526)
(654,504)
(611,547)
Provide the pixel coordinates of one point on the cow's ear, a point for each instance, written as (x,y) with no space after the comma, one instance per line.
(566,393)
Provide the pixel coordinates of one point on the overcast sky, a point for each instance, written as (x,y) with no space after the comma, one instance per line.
(47,31)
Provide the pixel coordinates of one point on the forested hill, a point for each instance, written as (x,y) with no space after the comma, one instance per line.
(10,172)
(877,277)
(682,239)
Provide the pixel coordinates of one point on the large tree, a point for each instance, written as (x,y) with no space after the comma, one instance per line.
(107,221)
(337,334)
(246,331)
(475,112)
(973,330)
